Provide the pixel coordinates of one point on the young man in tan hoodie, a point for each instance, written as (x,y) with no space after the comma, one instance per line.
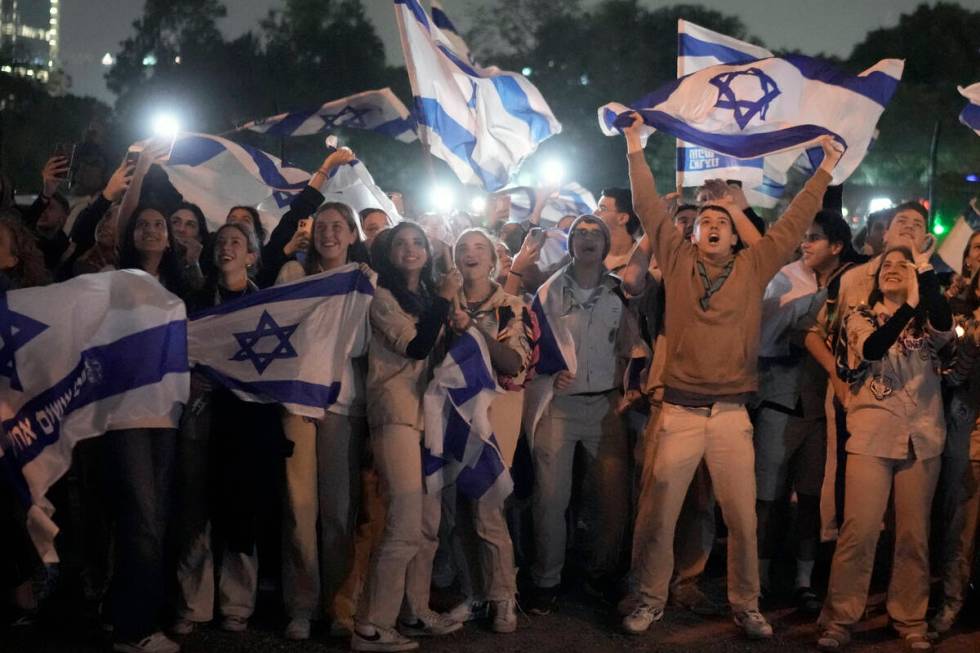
(713,312)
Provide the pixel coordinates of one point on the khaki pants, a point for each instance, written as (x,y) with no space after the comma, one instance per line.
(962,537)
(238,581)
(322,489)
(483,548)
(401,566)
(869,481)
(592,422)
(722,436)
(694,535)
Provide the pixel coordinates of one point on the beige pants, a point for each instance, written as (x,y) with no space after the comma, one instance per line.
(401,566)
(694,535)
(961,535)
(722,437)
(870,481)
(237,581)
(593,423)
(322,489)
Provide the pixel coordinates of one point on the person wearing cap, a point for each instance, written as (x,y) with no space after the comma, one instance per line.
(582,306)
(712,320)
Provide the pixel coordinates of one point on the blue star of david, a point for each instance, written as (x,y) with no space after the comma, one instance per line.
(266,328)
(16,330)
(745,109)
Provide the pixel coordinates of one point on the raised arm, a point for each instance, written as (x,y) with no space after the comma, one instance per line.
(647,203)
(777,246)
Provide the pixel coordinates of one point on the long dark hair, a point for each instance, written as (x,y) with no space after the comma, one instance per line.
(171,268)
(392,279)
(30,270)
(202,223)
(256,220)
(876,295)
(357,251)
(965,270)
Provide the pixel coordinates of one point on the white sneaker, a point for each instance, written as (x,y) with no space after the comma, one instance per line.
(641,617)
(469,610)
(753,624)
(155,643)
(428,624)
(504,616)
(373,638)
(234,624)
(183,627)
(944,620)
(298,629)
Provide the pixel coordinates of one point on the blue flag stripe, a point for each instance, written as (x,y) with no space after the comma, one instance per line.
(970,116)
(456,139)
(876,86)
(550,360)
(690,46)
(161,351)
(285,392)
(329,286)
(290,123)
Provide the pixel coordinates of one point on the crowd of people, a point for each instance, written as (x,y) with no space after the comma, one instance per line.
(679,356)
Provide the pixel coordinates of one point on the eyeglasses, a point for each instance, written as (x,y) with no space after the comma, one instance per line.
(814,238)
(587,233)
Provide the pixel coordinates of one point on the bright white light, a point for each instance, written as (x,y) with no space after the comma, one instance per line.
(478,204)
(960,331)
(844,212)
(526,71)
(552,172)
(107,59)
(177,59)
(150,60)
(880,204)
(165,124)
(524,179)
(442,198)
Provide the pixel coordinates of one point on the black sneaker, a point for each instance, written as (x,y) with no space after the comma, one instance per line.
(543,601)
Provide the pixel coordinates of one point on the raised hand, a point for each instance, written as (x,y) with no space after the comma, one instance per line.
(53,173)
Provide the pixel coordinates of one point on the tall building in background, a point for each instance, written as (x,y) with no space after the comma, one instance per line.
(29,36)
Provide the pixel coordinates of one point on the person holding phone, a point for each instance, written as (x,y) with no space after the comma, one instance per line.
(46,216)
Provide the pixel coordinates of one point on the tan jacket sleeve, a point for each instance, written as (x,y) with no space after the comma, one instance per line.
(650,209)
(393,324)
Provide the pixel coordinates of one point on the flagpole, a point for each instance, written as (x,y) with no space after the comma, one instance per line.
(413,82)
(933,152)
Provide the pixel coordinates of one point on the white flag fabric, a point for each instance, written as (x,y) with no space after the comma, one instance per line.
(379,111)
(572,199)
(77,358)
(769,106)
(448,32)
(459,445)
(699,48)
(970,116)
(954,244)
(289,344)
(483,122)
(217,174)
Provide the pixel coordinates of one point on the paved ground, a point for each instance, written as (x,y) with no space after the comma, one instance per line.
(579,627)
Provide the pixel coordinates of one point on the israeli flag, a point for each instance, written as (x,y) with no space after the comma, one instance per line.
(769,106)
(448,34)
(699,48)
(290,344)
(459,445)
(572,199)
(76,359)
(970,116)
(556,349)
(483,122)
(217,174)
(379,111)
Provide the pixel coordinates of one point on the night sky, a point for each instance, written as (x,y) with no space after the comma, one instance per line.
(92,28)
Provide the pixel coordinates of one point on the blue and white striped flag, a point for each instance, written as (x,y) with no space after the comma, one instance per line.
(76,359)
(459,443)
(483,122)
(572,199)
(769,106)
(289,344)
(379,111)
(217,174)
(699,48)
(556,349)
(448,33)
(970,116)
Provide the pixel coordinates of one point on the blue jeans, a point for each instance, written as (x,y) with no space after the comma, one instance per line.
(140,466)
